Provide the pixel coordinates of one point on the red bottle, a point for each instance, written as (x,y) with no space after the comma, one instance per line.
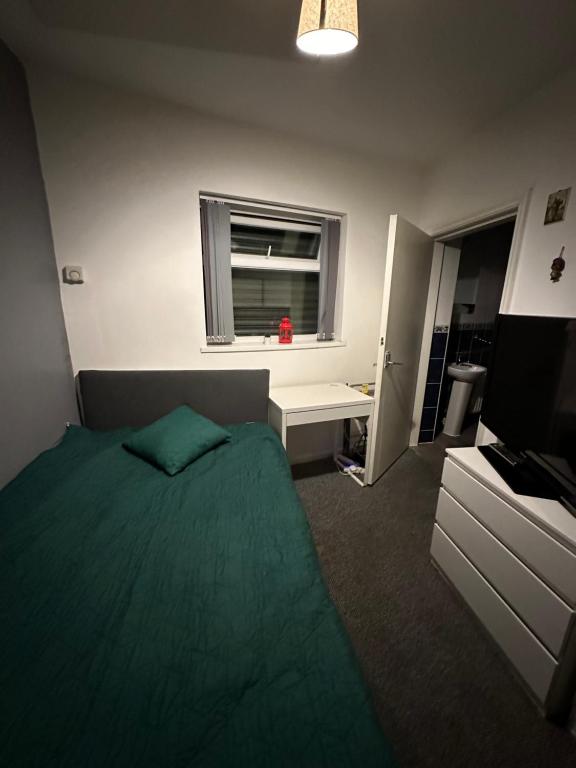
(285,331)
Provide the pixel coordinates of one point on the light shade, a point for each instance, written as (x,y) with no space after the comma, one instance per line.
(328,27)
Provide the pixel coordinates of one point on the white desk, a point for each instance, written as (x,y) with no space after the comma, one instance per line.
(313,403)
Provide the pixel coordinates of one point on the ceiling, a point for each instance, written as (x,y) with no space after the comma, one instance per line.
(426,74)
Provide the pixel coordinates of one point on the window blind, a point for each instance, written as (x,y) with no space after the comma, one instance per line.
(329,257)
(215,221)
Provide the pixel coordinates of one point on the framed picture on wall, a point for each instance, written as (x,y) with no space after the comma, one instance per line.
(557,204)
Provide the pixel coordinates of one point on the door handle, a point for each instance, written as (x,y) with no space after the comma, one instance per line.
(388,359)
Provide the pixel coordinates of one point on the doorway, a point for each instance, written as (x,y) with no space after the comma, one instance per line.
(471,279)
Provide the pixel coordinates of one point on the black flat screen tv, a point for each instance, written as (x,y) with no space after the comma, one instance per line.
(530,396)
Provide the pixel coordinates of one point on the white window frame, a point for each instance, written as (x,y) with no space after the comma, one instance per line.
(276,263)
(279,218)
(257,261)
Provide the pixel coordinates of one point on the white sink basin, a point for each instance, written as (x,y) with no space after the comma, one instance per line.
(467,372)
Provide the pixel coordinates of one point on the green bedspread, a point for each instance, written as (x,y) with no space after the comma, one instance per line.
(167,622)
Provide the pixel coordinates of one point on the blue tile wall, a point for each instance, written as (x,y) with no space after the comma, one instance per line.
(472,342)
(426,436)
(433,382)
(428,418)
(431,395)
(438,348)
(435,368)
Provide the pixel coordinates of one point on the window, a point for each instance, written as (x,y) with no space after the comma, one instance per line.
(275,270)
(262,297)
(261,265)
(273,237)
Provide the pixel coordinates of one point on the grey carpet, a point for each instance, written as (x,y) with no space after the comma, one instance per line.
(443,693)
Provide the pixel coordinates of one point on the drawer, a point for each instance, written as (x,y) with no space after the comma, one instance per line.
(328,414)
(555,564)
(533,662)
(545,613)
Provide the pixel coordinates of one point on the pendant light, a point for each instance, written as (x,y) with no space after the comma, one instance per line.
(328,27)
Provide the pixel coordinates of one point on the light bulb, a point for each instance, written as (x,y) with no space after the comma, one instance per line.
(328,27)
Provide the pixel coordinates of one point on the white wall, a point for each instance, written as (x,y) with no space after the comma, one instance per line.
(448,283)
(123,174)
(482,271)
(533,146)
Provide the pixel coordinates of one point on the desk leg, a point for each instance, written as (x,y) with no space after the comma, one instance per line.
(277,420)
(368,462)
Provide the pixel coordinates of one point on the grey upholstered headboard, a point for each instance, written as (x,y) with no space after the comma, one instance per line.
(115,399)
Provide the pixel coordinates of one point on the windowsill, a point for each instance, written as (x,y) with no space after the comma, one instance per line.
(240,346)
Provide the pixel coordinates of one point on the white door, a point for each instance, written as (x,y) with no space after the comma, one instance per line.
(406,281)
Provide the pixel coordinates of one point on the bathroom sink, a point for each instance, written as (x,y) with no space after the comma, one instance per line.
(467,372)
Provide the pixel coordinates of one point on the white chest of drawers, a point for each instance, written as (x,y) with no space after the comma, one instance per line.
(513,560)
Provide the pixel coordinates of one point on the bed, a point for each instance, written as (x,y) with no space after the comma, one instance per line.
(157,621)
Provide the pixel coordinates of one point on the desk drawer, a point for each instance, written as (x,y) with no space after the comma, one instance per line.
(533,662)
(555,564)
(295,418)
(545,613)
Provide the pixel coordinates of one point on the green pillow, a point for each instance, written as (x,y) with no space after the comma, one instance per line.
(176,440)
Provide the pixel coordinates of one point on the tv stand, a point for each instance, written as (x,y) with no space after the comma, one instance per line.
(512,558)
(518,472)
